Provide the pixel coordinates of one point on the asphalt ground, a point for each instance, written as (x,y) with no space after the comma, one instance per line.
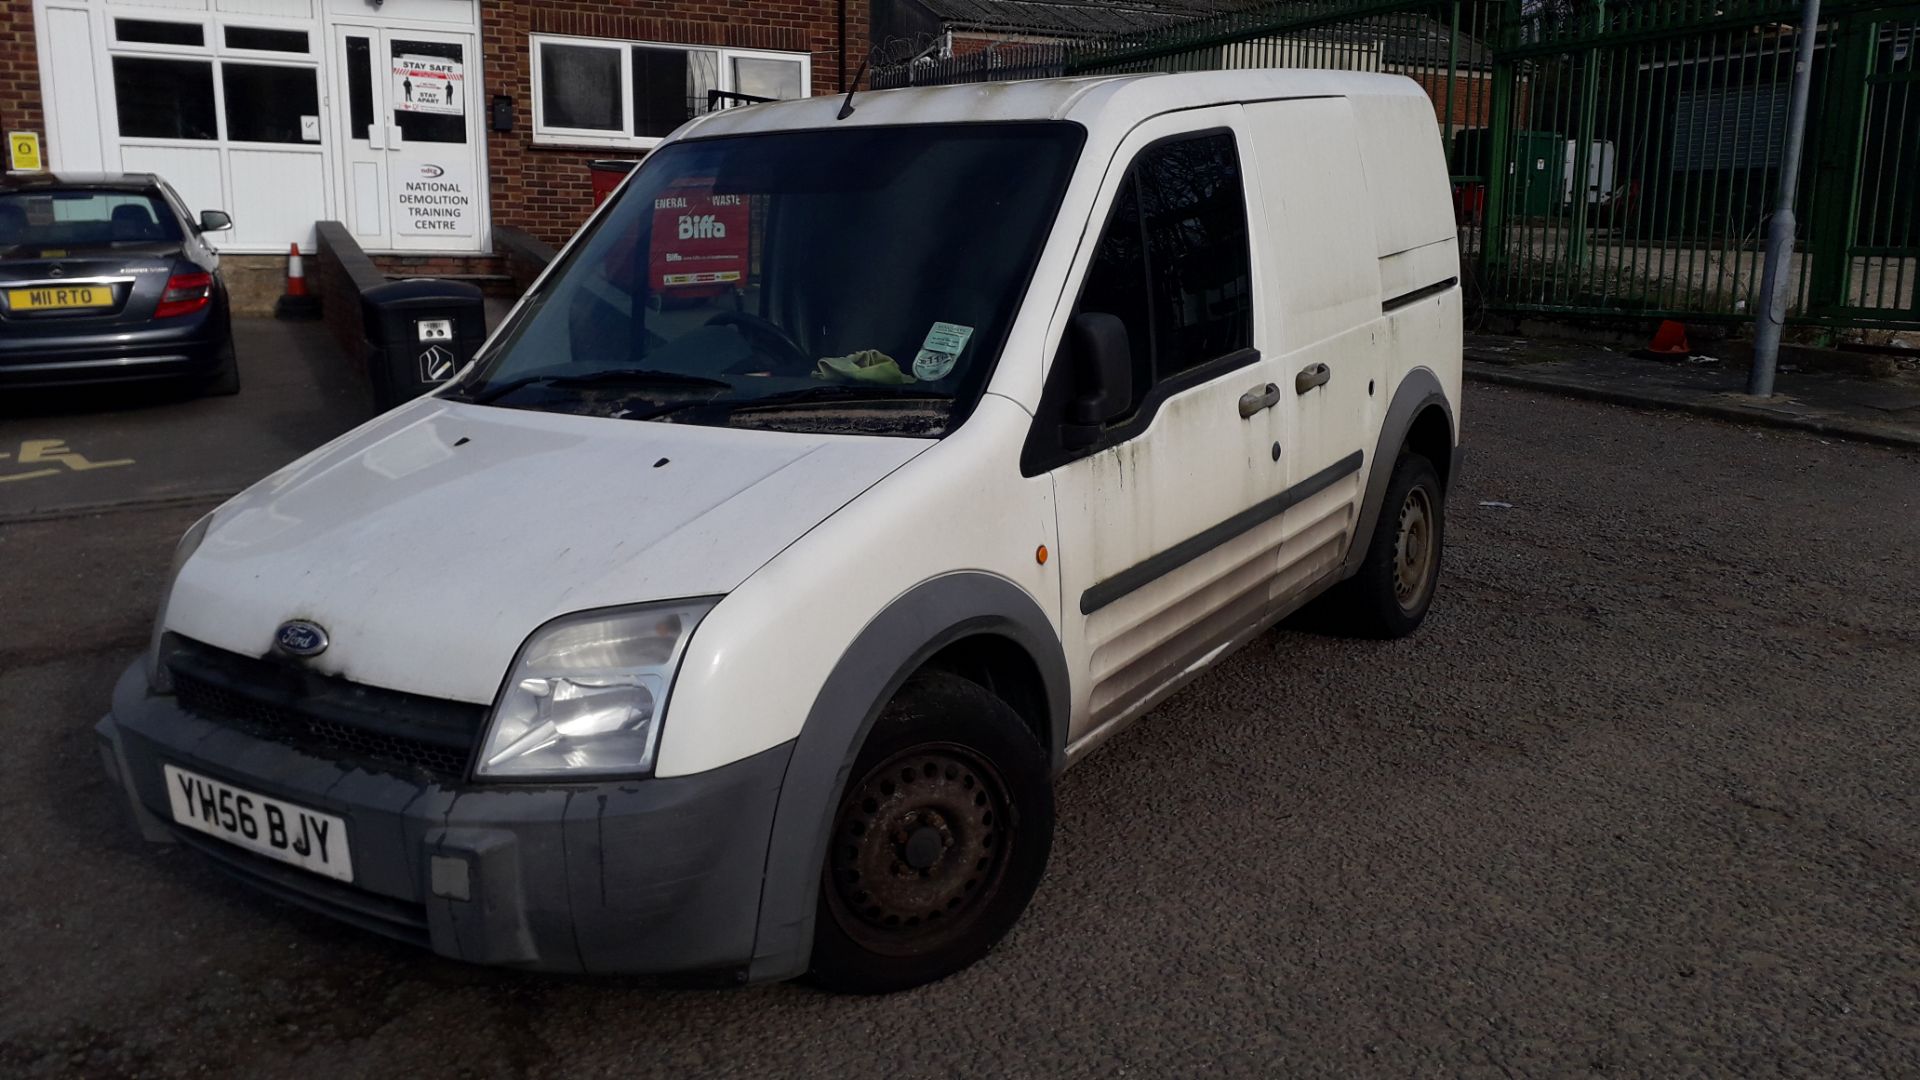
(76,447)
(1640,799)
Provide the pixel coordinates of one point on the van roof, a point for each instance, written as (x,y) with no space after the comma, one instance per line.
(1124,100)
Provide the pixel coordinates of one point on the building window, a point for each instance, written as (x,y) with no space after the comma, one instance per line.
(670,87)
(592,92)
(164,99)
(154,32)
(265,102)
(262,39)
(580,87)
(761,77)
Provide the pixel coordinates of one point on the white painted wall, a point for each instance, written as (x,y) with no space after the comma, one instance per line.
(275,191)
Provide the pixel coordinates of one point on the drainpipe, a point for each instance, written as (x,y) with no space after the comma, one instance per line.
(1772,317)
(843,46)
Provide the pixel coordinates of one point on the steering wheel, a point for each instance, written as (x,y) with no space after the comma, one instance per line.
(766,332)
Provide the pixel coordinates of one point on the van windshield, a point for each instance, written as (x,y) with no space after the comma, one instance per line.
(860,280)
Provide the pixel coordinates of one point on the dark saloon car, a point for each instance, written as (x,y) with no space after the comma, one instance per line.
(104,277)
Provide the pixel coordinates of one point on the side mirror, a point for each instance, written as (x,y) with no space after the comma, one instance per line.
(215,221)
(1102,375)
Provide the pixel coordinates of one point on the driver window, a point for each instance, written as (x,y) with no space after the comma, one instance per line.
(1117,282)
(1173,261)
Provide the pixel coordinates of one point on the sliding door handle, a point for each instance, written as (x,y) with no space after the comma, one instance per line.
(1311,376)
(1258,399)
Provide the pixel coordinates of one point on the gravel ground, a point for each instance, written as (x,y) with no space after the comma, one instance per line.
(1640,799)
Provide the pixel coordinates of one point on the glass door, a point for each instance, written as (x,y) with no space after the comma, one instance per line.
(362,137)
(412,136)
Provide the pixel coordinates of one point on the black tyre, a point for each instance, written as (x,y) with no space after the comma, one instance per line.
(1390,595)
(225,379)
(939,841)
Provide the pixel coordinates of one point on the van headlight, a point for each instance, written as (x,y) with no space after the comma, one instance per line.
(159,679)
(587,693)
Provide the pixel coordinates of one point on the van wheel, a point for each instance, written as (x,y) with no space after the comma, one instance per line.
(1390,595)
(225,379)
(940,839)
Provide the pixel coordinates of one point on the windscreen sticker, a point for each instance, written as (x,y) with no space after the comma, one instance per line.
(941,350)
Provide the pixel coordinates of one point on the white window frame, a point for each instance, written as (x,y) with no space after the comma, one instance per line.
(215,53)
(545,134)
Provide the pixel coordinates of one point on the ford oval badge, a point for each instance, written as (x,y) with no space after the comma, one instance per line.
(299,637)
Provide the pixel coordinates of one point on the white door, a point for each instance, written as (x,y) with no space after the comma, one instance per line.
(1324,284)
(1170,522)
(410,132)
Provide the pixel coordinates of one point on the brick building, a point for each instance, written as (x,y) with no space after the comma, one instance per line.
(422,125)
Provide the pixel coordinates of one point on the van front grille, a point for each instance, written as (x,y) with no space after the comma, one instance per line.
(325,716)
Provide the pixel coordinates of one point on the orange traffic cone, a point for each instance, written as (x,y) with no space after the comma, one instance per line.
(296,302)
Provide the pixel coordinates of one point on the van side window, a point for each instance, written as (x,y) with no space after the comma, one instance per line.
(1117,282)
(1173,262)
(1173,266)
(1196,223)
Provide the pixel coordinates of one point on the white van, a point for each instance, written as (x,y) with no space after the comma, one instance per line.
(859,467)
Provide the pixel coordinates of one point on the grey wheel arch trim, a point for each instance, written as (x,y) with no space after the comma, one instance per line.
(1419,389)
(911,629)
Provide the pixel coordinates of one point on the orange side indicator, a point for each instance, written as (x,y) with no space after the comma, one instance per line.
(1040,554)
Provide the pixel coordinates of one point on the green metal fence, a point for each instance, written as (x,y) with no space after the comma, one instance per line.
(1673,115)
(1613,157)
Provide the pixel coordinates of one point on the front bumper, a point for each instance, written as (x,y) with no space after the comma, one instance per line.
(629,877)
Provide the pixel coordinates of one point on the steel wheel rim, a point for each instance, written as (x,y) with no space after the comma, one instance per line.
(1413,550)
(920,846)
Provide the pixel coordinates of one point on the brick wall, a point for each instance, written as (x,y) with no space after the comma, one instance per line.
(1472,96)
(525,255)
(543,189)
(489,272)
(20,73)
(340,272)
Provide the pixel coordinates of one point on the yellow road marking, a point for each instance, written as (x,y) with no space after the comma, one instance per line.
(54,452)
(34,451)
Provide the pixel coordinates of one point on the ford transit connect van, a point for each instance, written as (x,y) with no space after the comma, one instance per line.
(858,468)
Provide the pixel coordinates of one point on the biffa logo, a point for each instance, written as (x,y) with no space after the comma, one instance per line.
(702,227)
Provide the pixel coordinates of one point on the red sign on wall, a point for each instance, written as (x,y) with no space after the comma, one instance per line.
(699,240)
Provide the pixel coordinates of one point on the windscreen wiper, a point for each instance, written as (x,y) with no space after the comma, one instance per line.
(602,377)
(839,392)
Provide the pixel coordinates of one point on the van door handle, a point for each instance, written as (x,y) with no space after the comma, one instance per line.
(1311,376)
(1258,399)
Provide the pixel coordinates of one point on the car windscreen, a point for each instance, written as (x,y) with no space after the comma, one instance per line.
(83,218)
(860,279)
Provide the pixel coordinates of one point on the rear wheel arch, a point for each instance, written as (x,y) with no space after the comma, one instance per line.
(974,624)
(1419,417)
(1431,436)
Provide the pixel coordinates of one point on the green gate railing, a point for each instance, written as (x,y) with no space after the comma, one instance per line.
(1674,115)
(1614,157)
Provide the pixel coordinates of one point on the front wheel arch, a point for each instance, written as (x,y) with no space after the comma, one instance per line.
(923,623)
